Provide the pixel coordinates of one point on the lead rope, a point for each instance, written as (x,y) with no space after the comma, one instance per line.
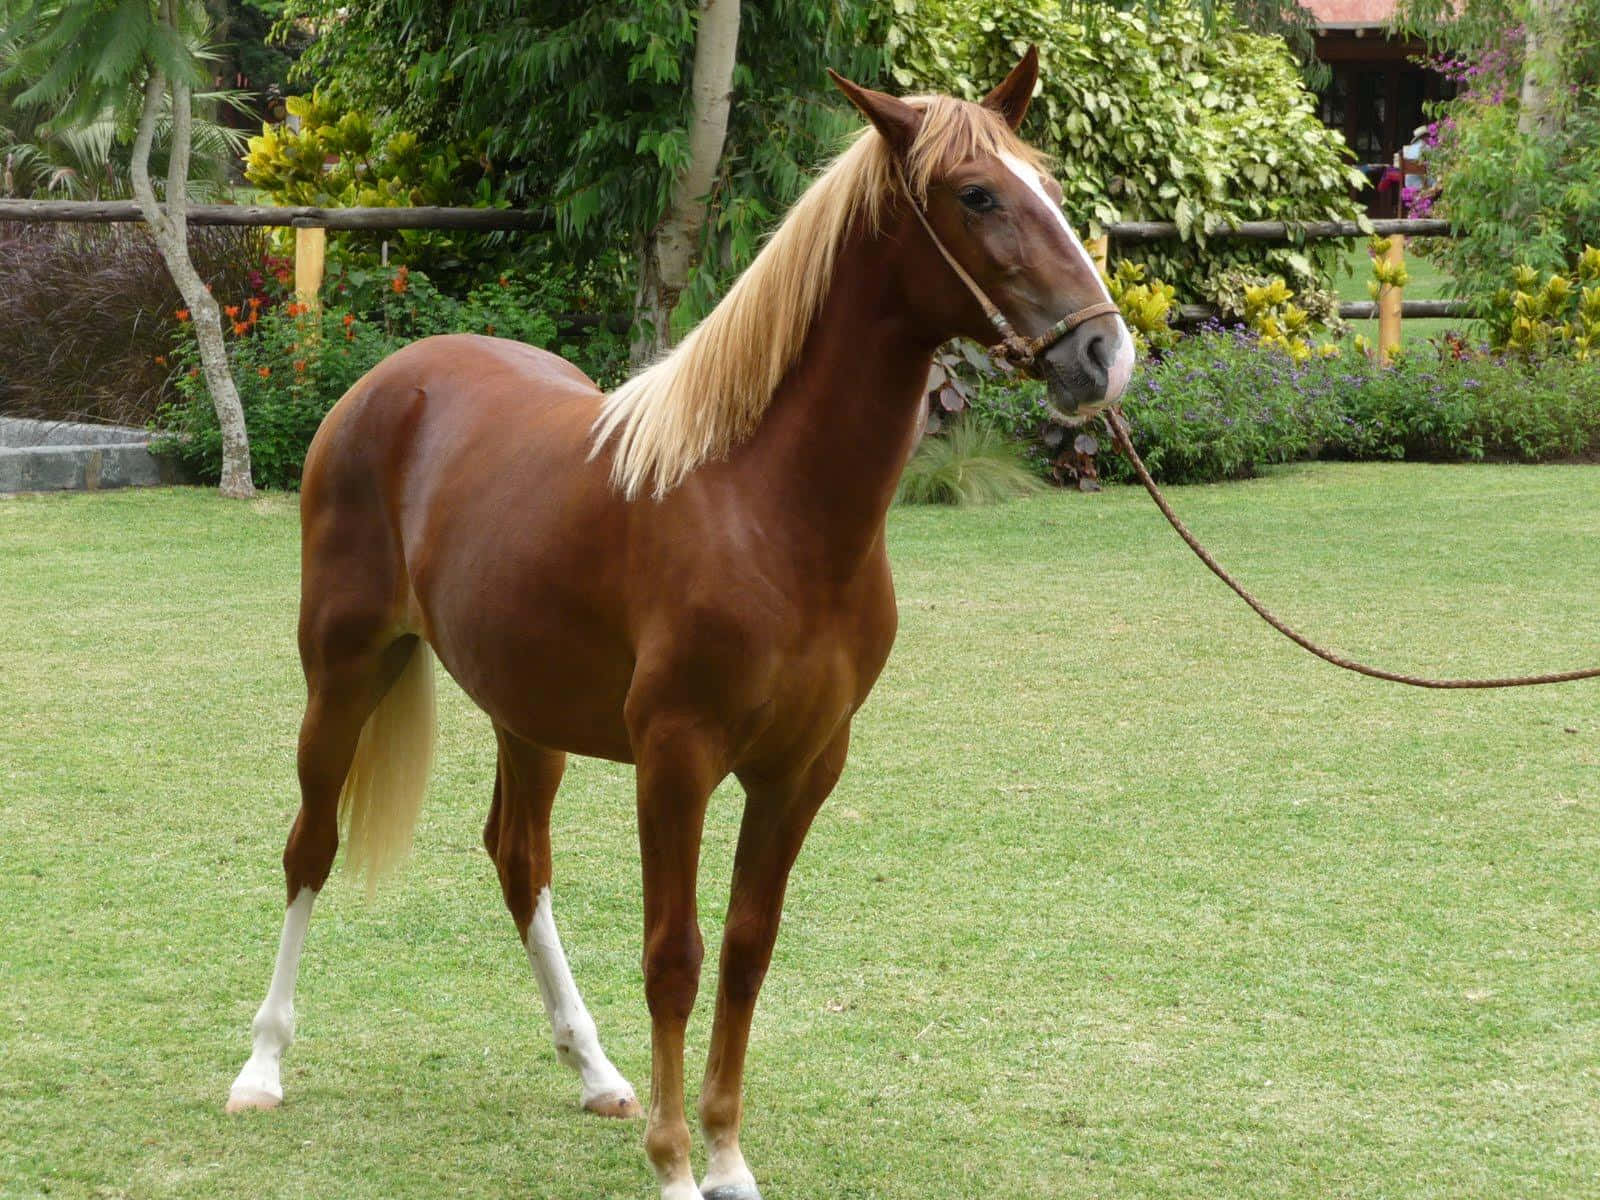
(1118,426)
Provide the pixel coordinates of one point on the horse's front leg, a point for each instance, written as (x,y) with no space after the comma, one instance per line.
(679,763)
(777,814)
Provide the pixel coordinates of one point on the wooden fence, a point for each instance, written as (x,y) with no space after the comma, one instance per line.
(311,226)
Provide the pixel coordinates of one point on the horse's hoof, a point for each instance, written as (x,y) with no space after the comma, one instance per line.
(620,1105)
(247,1098)
(734,1191)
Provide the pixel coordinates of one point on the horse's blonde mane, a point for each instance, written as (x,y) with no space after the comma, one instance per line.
(709,394)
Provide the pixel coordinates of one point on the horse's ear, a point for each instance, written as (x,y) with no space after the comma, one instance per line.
(1011,98)
(895,119)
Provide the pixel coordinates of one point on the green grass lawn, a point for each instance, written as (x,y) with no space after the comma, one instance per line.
(1121,895)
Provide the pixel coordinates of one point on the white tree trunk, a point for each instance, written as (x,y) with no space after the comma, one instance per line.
(1542,76)
(669,249)
(170,227)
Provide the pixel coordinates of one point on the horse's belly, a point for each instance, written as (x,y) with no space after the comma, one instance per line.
(555,685)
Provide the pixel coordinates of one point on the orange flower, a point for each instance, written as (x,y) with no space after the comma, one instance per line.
(255,302)
(294,308)
(503,281)
(239,327)
(183,314)
(264,372)
(400,281)
(161,360)
(349,320)
(193,371)
(232,310)
(299,366)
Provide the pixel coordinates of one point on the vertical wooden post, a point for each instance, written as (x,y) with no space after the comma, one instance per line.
(1389,303)
(310,251)
(1100,250)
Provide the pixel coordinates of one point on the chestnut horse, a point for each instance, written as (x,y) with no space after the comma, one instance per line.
(687,574)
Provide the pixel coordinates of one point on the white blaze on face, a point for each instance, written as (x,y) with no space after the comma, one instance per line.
(1121,369)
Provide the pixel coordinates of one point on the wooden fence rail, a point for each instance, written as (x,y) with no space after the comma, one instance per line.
(479,220)
(1283,231)
(311,224)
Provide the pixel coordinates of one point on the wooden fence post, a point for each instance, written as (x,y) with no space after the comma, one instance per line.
(1389,302)
(310,251)
(1100,250)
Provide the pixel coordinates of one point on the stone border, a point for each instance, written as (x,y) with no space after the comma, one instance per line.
(53,456)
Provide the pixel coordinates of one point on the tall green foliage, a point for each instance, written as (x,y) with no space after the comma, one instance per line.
(1518,190)
(1159,116)
(584,105)
(69,97)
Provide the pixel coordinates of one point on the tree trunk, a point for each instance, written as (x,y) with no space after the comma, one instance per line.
(1542,76)
(669,249)
(169,226)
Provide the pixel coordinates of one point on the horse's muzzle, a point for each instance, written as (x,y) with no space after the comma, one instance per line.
(1090,367)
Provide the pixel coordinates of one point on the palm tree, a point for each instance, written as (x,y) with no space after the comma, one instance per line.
(90,160)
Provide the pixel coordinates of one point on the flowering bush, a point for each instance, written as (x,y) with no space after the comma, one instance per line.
(1514,193)
(291,362)
(1221,405)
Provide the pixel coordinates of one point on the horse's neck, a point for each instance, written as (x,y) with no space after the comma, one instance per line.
(846,416)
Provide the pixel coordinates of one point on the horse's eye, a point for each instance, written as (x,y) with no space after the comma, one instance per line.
(975,199)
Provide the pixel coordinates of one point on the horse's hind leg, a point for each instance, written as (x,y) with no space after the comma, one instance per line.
(341,696)
(517,836)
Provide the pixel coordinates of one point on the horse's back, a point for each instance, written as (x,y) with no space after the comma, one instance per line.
(469,380)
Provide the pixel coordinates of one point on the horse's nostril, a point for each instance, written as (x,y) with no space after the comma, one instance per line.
(1098,352)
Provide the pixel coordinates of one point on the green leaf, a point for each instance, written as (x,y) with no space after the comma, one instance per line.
(122,41)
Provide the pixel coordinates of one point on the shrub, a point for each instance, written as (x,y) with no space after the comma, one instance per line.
(291,365)
(1147,306)
(90,313)
(1475,407)
(341,157)
(972,462)
(1515,191)
(1219,405)
(1164,119)
(1560,316)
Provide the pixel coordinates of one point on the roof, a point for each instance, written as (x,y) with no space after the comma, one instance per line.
(1350,14)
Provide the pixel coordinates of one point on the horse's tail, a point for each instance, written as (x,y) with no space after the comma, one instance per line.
(382,794)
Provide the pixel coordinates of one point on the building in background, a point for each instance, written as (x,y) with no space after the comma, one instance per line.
(1377,92)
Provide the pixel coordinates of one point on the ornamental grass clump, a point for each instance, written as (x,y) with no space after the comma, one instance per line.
(87,313)
(972,462)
